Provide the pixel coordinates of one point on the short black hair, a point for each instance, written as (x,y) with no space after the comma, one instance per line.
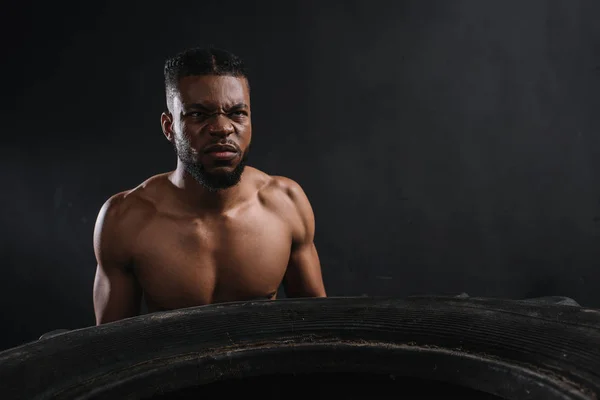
(201,61)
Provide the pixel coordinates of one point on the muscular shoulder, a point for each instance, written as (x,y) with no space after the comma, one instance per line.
(123,209)
(124,213)
(132,204)
(287,198)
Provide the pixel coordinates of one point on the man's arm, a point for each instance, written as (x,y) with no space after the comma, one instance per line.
(303,277)
(117,294)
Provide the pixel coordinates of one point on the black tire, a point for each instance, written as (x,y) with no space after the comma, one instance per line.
(511,349)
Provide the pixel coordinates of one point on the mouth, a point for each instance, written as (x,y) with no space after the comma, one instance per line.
(221,152)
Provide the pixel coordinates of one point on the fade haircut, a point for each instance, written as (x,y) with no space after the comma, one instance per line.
(200,61)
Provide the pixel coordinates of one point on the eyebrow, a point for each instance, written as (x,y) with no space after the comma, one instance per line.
(200,106)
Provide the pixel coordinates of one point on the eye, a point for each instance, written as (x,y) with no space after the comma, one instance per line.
(196,115)
(238,113)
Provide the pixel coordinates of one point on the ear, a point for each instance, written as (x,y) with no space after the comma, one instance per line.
(166,121)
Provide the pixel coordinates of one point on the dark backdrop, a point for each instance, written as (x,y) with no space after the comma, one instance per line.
(446,146)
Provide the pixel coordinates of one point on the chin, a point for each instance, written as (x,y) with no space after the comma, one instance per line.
(221,169)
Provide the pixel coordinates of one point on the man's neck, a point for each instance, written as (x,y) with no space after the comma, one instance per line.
(199,197)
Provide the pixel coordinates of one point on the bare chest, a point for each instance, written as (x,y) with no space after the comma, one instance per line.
(183,263)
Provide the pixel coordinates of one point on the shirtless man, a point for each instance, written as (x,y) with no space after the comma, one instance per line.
(213,230)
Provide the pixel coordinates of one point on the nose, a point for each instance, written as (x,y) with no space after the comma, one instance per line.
(220,126)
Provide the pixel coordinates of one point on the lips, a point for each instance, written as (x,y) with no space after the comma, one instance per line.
(221,152)
(220,148)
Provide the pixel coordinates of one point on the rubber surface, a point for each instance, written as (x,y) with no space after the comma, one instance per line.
(512,349)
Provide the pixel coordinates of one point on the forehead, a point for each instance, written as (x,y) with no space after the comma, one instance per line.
(213,89)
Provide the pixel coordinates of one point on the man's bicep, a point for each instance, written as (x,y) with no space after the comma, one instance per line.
(116,292)
(303,277)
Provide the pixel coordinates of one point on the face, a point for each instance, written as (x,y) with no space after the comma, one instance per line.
(210,128)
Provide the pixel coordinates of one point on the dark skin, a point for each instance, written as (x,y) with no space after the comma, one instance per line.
(183,245)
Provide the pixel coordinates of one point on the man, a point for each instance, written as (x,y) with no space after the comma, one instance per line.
(213,230)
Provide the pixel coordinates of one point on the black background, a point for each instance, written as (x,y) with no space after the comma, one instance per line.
(446,146)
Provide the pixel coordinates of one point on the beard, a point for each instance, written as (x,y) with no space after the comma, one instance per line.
(211,181)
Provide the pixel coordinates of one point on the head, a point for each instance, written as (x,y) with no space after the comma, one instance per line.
(208,117)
